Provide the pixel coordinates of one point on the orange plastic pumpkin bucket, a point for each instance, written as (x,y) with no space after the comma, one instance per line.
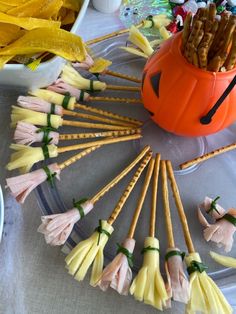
(178,94)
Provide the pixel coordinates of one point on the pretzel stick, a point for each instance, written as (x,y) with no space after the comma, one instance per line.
(77,136)
(93,125)
(115,99)
(100,142)
(186,30)
(129,189)
(166,204)
(123,76)
(113,34)
(154,196)
(141,199)
(216,44)
(75,158)
(207,156)
(193,35)
(180,208)
(145,151)
(215,64)
(95,118)
(231,60)
(195,45)
(203,50)
(108,114)
(123,88)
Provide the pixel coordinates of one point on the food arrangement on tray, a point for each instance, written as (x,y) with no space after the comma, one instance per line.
(204,47)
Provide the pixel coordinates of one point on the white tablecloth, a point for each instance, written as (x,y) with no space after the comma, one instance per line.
(33,279)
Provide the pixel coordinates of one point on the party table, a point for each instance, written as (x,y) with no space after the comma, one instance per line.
(33,278)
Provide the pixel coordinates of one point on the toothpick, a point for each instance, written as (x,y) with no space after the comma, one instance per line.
(129,189)
(105,189)
(96,143)
(154,196)
(141,199)
(166,204)
(180,207)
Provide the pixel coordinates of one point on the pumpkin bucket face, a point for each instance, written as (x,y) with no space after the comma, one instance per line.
(178,95)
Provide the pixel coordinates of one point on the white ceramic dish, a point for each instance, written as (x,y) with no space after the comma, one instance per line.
(46,73)
(1,213)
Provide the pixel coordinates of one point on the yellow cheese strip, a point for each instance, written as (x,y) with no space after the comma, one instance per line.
(100,65)
(224,260)
(27,22)
(57,41)
(74,5)
(35,8)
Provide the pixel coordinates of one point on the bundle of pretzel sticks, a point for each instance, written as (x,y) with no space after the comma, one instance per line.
(210,43)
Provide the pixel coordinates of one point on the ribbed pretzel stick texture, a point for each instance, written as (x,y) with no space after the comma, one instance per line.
(208,43)
(128,190)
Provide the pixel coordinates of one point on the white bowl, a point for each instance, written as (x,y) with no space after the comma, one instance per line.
(1,213)
(46,73)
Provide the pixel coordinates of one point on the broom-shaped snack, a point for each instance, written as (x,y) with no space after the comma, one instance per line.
(90,251)
(207,156)
(139,40)
(62,87)
(54,121)
(178,285)
(72,77)
(223,229)
(22,185)
(41,105)
(205,296)
(27,134)
(25,156)
(100,66)
(56,228)
(58,99)
(118,274)
(148,286)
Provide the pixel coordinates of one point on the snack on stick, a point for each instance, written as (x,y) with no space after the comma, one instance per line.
(178,285)
(148,286)
(118,274)
(90,251)
(193,35)
(200,283)
(55,227)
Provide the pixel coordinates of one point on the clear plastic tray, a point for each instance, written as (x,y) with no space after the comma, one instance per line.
(86,177)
